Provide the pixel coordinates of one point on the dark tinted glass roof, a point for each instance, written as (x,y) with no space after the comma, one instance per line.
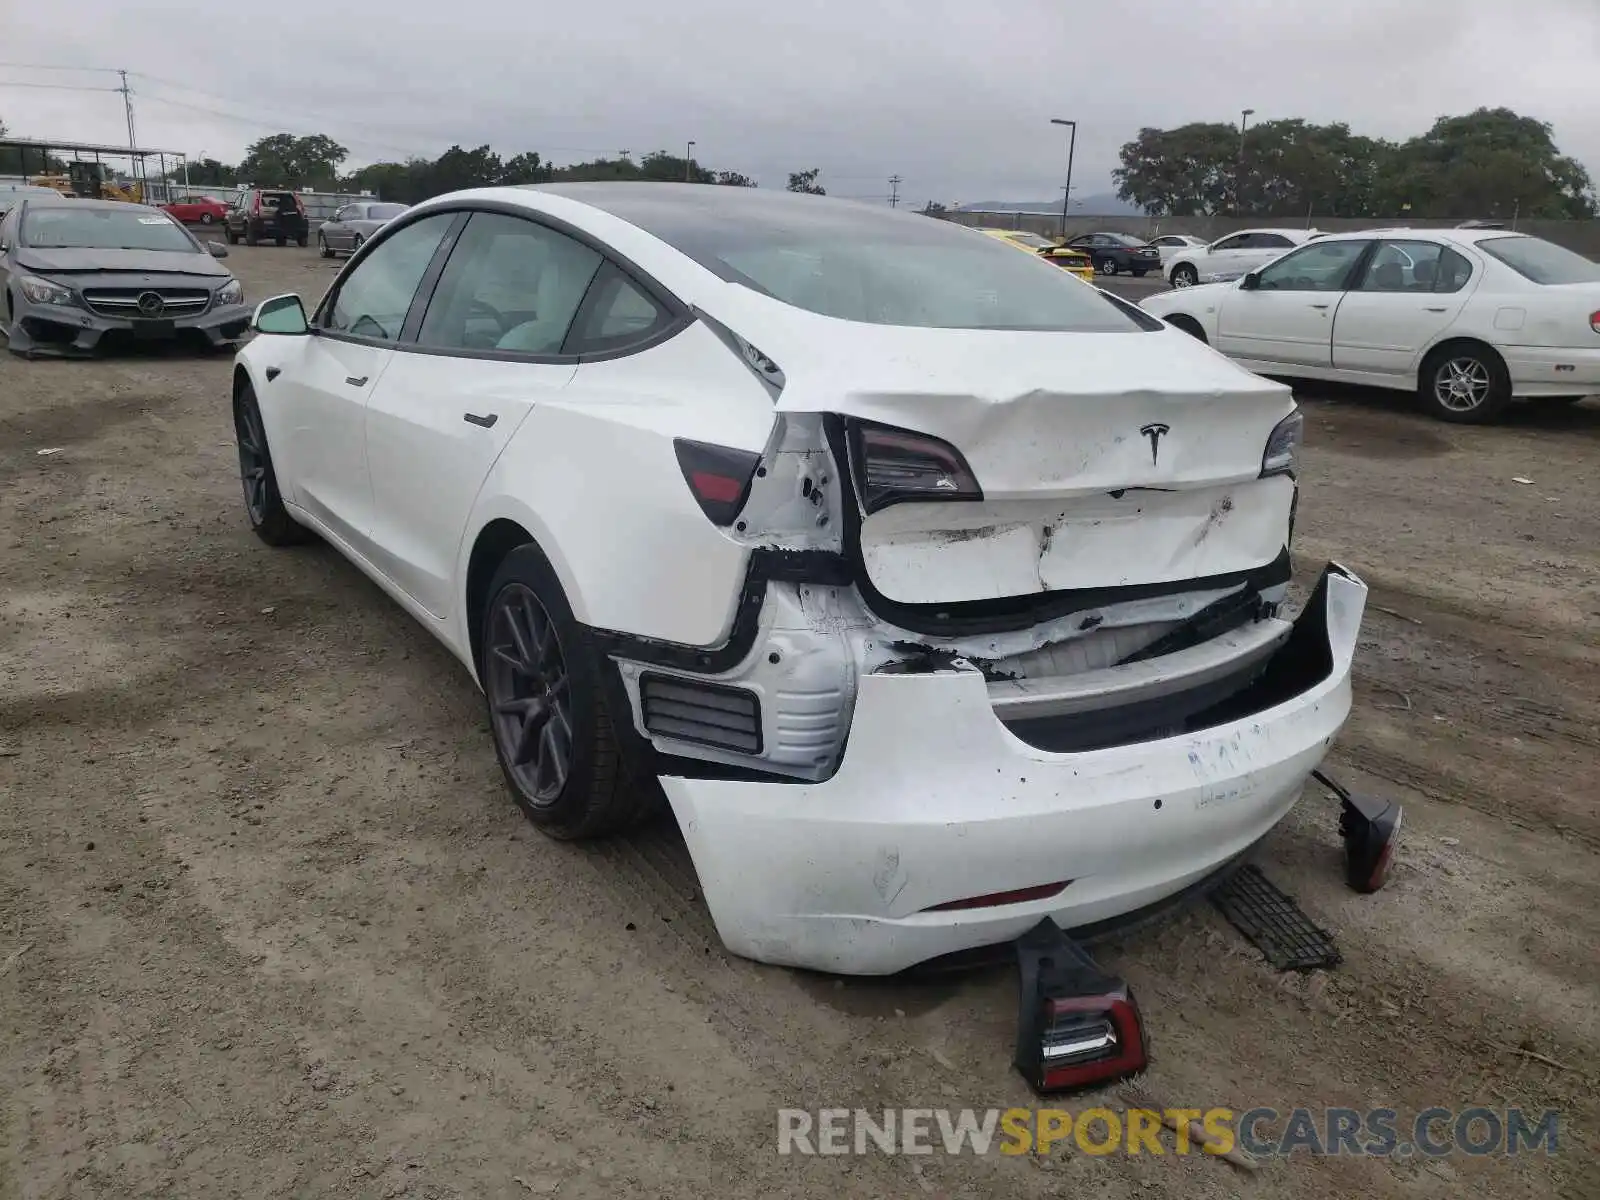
(858,262)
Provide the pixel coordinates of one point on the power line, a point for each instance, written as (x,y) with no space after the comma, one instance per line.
(41,67)
(59,87)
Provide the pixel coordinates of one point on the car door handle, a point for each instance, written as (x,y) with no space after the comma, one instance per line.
(356,380)
(486,422)
(1440,309)
(1319,306)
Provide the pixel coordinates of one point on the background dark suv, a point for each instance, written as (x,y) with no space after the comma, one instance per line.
(258,213)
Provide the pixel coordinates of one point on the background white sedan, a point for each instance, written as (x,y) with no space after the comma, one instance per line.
(1230,257)
(1469,318)
(1171,244)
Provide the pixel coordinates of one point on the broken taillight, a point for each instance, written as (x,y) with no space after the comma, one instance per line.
(719,477)
(1077,1026)
(1594,321)
(1282,453)
(894,466)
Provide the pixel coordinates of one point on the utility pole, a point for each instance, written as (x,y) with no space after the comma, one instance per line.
(688,164)
(1238,174)
(894,191)
(1072,146)
(136,166)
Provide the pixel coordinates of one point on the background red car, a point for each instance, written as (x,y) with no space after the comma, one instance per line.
(197,210)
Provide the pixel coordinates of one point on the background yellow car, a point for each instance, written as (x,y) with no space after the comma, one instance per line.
(1079,263)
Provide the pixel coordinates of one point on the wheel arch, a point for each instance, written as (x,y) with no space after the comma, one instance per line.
(498,534)
(1429,355)
(1189,325)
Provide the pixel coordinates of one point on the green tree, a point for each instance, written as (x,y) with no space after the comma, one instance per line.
(206,173)
(1182,172)
(733,179)
(1491,163)
(806,181)
(527,167)
(933,209)
(287,160)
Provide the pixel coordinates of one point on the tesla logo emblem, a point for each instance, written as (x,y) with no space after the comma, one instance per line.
(1154,432)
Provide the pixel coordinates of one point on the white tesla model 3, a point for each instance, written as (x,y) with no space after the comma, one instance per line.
(936,591)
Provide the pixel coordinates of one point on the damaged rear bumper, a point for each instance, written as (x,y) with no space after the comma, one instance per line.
(936,802)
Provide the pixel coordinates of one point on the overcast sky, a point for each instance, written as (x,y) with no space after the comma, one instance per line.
(956,102)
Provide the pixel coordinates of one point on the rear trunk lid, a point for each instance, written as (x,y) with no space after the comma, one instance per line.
(1106,460)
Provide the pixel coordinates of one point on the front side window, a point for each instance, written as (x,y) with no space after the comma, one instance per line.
(1323,267)
(373,299)
(1237,242)
(1541,261)
(125,227)
(511,285)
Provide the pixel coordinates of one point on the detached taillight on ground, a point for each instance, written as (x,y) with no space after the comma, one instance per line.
(1077,1027)
(719,477)
(894,466)
(1370,827)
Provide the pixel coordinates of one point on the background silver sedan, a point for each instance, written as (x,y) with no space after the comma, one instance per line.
(353,224)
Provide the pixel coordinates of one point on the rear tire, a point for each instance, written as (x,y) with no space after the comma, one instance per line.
(546,704)
(249,235)
(1465,383)
(281,241)
(230,236)
(301,240)
(263,503)
(1108,266)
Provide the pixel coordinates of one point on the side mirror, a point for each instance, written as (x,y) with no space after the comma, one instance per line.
(1250,282)
(216,250)
(283,315)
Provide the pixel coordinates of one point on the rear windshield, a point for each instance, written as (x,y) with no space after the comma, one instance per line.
(861,263)
(122,228)
(1541,261)
(282,201)
(1127,239)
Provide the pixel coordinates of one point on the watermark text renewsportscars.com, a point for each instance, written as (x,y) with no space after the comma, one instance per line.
(1262,1132)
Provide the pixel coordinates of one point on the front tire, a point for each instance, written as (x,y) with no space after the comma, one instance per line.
(322,247)
(542,684)
(1183,275)
(206,218)
(263,503)
(1464,383)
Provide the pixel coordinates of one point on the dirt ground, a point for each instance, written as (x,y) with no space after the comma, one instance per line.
(269,925)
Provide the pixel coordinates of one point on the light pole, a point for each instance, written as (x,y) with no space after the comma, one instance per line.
(1238,174)
(688,164)
(1072,146)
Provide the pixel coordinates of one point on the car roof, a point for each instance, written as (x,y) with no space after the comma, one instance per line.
(81,203)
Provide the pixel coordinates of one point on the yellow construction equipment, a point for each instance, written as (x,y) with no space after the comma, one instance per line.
(91,181)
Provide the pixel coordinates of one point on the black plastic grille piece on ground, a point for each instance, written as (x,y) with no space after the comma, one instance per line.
(1273,922)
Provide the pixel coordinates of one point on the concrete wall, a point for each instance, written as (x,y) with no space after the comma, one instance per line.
(1582,236)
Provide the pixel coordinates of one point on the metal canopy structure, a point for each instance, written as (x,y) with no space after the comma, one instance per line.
(137,156)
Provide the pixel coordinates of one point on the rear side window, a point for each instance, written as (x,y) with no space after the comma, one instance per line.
(616,314)
(1541,261)
(511,285)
